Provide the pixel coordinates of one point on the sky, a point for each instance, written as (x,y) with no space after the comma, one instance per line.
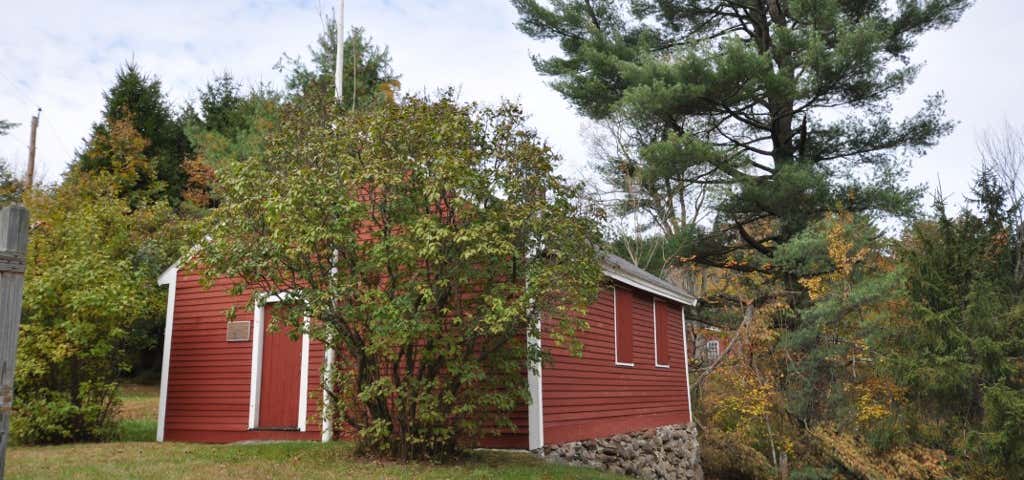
(61,56)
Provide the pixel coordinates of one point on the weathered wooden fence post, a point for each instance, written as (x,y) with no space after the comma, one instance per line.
(13,245)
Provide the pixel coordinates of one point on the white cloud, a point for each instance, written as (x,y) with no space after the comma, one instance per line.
(62,56)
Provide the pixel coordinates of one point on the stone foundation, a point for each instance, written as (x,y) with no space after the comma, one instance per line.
(670,453)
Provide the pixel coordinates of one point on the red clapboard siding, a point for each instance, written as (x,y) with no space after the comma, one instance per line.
(592,397)
(209,378)
(518,438)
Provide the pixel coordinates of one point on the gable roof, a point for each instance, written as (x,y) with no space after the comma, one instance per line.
(613,266)
(622,270)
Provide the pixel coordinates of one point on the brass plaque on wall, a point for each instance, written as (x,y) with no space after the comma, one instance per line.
(238,331)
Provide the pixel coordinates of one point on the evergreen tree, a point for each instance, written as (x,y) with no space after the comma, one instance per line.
(781,109)
(139,100)
(224,124)
(374,77)
(6,126)
(10,187)
(958,354)
(786,104)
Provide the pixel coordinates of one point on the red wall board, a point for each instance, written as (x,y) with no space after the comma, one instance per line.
(209,378)
(590,396)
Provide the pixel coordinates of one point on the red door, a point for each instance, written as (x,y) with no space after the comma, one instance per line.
(279,382)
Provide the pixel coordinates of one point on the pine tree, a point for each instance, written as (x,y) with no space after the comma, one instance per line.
(374,77)
(6,126)
(10,187)
(786,103)
(139,100)
(224,124)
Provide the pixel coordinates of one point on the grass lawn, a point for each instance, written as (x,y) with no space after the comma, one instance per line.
(109,461)
(138,456)
(138,412)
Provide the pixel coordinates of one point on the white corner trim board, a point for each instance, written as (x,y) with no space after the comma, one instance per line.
(170,278)
(257,363)
(304,377)
(686,364)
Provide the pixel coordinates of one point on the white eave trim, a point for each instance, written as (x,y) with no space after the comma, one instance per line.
(168,275)
(647,286)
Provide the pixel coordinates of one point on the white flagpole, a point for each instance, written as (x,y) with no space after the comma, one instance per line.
(339,72)
(327,425)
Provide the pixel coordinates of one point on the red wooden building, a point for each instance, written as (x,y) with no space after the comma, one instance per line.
(233,381)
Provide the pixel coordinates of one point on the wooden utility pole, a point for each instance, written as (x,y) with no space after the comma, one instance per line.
(13,245)
(31,170)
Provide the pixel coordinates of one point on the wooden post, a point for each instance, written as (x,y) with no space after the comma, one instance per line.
(13,245)
(31,168)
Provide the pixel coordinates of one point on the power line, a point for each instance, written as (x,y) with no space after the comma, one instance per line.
(25,97)
(22,93)
(60,141)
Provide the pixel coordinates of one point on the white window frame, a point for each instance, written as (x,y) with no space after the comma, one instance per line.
(259,330)
(718,349)
(654,314)
(615,328)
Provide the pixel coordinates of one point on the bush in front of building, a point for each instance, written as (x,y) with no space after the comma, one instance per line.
(425,238)
(88,284)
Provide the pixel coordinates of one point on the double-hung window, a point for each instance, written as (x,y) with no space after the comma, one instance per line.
(712,350)
(661,341)
(623,327)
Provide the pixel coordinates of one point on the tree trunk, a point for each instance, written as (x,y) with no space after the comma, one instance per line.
(783,465)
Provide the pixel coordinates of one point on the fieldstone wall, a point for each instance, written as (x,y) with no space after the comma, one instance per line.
(665,453)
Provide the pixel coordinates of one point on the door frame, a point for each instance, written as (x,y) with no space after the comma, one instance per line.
(256,379)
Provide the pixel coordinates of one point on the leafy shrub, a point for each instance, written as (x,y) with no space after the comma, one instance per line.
(409,235)
(86,288)
(58,417)
(813,473)
(726,456)
(1003,439)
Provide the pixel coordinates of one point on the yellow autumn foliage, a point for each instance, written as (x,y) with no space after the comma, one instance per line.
(914,462)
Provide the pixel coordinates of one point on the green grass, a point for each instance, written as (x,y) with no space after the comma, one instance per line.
(110,461)
(138,456)
(131,430)
(138,413)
